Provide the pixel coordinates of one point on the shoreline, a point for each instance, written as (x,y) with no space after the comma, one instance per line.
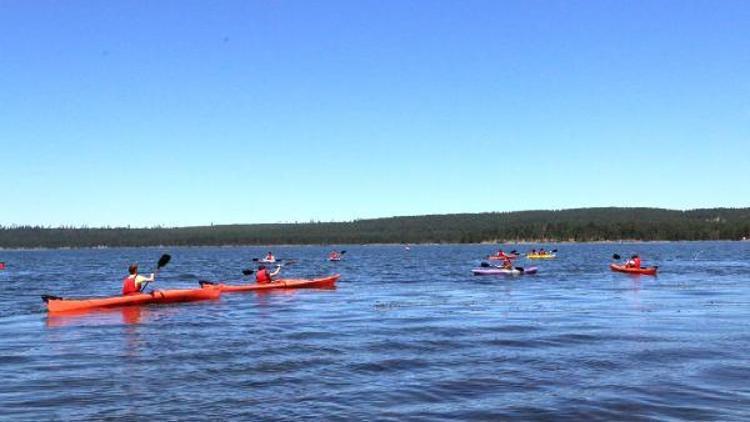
(287,245)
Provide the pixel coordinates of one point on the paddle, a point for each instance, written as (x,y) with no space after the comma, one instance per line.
(47,298)
(207,283)
(163,261)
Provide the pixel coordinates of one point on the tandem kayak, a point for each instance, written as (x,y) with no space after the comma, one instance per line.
(286,283)
(504,271)
(543,256)
(632,270)
(58,304)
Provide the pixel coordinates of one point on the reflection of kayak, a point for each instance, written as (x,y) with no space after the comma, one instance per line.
(632,270)
(288,283)
(543,256)
(55,305)
(504,271)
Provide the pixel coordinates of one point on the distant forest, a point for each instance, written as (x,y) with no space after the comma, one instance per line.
(580,225)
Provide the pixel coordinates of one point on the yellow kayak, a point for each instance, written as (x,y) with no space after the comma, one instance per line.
(544,256)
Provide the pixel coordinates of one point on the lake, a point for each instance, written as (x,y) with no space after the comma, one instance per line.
(407,334)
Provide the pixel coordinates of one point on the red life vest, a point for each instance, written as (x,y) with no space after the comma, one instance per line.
(263,276)
(128,285)
(637,262)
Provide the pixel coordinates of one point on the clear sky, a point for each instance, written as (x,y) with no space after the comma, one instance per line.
(190,113)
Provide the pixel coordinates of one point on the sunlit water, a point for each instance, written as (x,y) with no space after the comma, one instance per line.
(407,334)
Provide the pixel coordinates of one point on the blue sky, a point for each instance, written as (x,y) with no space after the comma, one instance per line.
(185,113)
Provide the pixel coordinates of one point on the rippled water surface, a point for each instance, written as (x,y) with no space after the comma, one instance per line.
(407,334)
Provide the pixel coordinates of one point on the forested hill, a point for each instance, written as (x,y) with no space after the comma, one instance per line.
(584,224)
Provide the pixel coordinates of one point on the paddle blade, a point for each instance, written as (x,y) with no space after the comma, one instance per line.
(206,283)
(615,256)
(484,265)
(519,269)
(256,259)
(343,252)
(247,272)
(163,261)
(47,298)
(554,251)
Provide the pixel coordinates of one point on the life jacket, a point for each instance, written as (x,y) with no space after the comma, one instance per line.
(263,276)
(637,262)
(128,285)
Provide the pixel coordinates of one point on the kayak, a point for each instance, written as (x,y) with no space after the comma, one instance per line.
(56,305)
(334,259)
(504,271)
(633,270)
(284,283)
(495,257)
(543,256)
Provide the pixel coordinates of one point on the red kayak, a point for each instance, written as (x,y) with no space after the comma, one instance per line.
(287,283)
(58,304)
(497,258)
(633,270)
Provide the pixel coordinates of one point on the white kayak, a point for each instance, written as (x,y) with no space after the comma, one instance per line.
(504,271)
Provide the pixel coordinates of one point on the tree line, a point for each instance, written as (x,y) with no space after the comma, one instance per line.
(580,225)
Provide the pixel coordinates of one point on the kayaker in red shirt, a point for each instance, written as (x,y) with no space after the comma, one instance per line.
(134,282)
(334,256)
(501,254)
(634,262)
(265,276)
(269,257)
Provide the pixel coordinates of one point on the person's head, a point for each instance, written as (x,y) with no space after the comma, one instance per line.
(634,257)
(269,252)
(261,267)
(133,269)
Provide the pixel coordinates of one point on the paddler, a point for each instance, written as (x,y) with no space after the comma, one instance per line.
(134,282)
(507,263)
(334,256)
(633,262)
(269,257)
(265,276)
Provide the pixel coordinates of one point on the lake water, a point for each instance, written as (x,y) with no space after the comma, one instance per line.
(407,334)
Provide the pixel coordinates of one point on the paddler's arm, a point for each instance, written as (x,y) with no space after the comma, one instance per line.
(139,280)
(278,270)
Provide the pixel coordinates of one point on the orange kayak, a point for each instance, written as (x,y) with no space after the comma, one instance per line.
(57,305)
(287,283)
(633,270)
